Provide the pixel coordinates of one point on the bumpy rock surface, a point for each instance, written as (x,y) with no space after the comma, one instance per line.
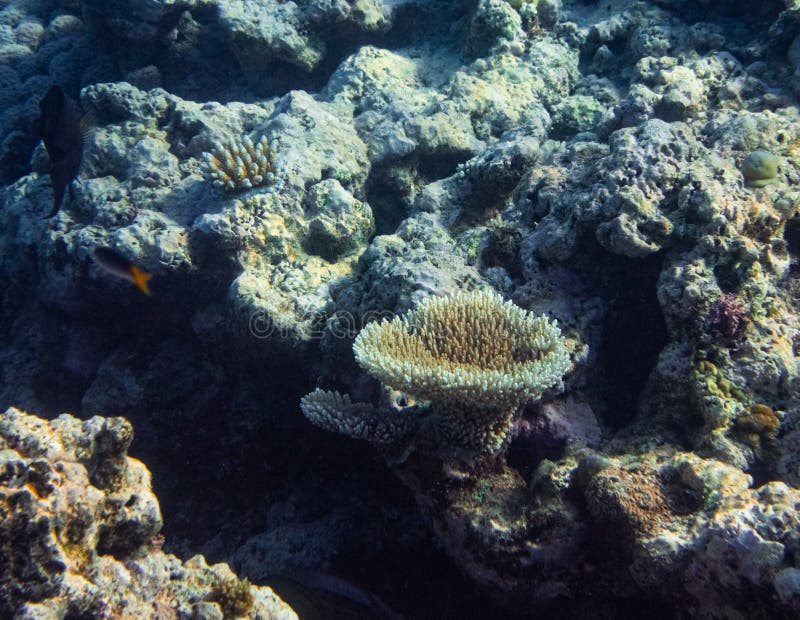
(628,169)
(666,526)
(79,531)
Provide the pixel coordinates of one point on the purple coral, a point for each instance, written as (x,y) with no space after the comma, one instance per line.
(726,320)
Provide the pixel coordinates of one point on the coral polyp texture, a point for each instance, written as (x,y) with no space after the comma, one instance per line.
(236,166)
(476,357)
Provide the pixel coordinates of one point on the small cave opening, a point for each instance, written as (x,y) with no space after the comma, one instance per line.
(634,331)
(390,197)
(762,473)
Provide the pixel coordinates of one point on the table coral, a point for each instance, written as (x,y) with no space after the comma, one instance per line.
(476,357)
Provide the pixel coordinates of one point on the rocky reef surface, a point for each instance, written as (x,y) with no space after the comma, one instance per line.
(80,532)
(628,169)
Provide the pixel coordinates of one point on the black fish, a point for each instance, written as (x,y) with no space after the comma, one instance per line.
(116,264)
(62,130)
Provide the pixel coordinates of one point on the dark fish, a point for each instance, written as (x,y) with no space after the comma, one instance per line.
(62,130)
(116,264)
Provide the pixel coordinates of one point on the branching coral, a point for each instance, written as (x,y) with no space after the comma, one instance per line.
(475,357)
(334,412)
(472,347)
(240,165)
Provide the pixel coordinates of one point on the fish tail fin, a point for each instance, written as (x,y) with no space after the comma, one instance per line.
(140,279)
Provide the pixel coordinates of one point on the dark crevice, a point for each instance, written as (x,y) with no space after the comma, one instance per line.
(791,234)
(434,166)
(388,197)
(634,330)
(502,249)
(121,541)
(761,473)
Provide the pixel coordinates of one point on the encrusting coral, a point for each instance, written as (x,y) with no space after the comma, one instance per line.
(240,165)
(474,356)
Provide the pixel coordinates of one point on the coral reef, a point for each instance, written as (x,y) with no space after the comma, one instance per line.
(80,532)
(670,526)
(630,170)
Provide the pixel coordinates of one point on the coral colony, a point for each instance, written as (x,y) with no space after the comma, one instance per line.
(237,166)
(475,357)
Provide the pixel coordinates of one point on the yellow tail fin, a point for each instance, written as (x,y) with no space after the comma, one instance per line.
(140,279)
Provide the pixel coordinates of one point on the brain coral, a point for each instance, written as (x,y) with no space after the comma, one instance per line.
(476,357)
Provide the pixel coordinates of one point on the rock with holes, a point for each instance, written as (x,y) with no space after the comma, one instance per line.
(79,531)
(667,526)
(338,223)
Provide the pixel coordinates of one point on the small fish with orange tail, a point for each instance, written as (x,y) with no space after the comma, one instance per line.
(118,265)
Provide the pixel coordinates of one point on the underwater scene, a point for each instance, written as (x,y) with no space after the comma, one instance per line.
(399,309)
